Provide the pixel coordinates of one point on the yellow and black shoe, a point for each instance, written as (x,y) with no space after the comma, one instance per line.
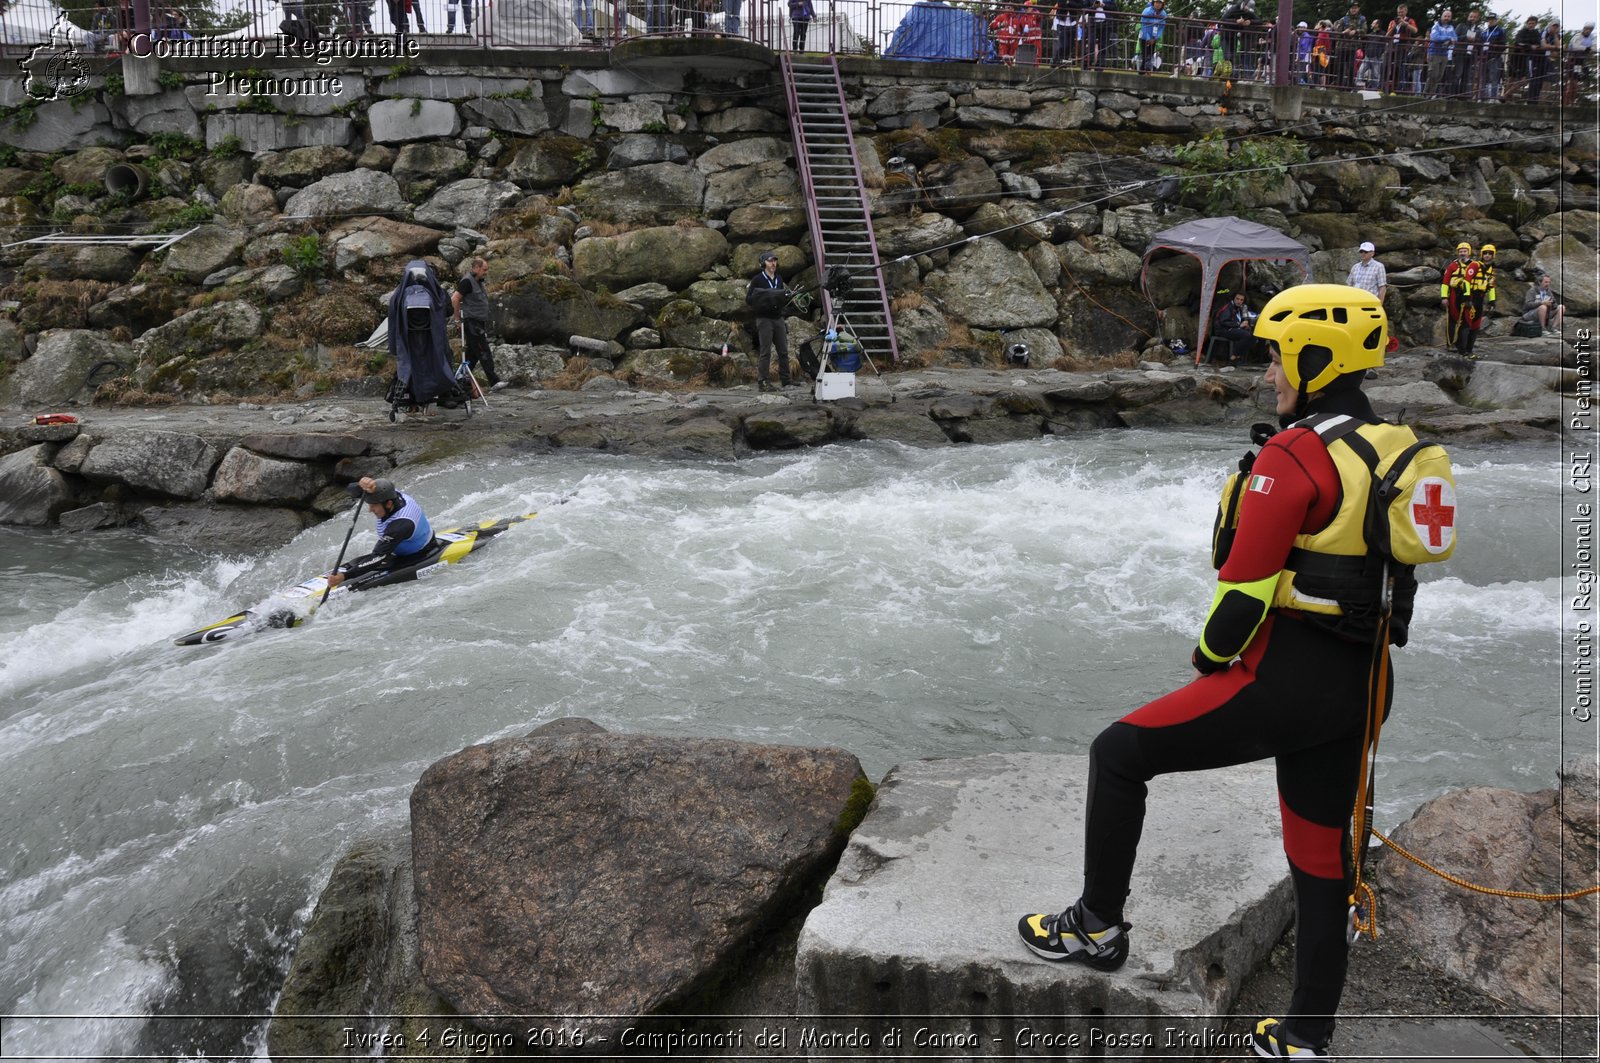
(1272,1041)
(1062,937)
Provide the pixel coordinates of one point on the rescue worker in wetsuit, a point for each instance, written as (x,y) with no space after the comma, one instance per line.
(1282,666)
(1485,286)
(403,530)
(1463,301)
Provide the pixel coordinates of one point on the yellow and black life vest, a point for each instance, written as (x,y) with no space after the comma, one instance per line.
(1396,510)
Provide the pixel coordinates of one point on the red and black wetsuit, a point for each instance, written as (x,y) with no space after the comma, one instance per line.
(1297,693)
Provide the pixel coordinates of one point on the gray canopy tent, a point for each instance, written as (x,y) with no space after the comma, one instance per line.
(1217,242)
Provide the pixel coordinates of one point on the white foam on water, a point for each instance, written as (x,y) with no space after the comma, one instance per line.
(894,601)
(53,1018)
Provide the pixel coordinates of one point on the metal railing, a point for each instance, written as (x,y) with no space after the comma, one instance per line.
(994,32)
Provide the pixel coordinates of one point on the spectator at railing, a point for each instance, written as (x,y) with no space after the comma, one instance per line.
(1441,45)
(1527,58)
(1152,24)
(1494,57)
(1266,50)
(1399,40)
(1096,27)
(1010,26)
(800,15)
(1554,44)
(1468,57)
(1237,18)
(1064,17)
(103,27)
(1303,42)
(466,15)
(1369,59)
(730,18)
(1580,59)
(1197,58)
(1347,41)
(1322,54)
(583,16)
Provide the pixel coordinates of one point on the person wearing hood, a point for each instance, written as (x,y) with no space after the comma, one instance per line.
(1285,664)
(403,530)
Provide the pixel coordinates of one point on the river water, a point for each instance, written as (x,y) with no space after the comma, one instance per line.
(170,813)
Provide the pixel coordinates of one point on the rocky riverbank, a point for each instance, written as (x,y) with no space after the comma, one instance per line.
(707,896)
(249,476)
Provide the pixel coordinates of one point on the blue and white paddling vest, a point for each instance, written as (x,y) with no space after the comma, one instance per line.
(420,538)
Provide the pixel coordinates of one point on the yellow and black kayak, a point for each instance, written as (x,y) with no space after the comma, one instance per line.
(295,606)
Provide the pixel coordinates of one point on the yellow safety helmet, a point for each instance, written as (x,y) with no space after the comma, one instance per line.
(1487,249)
(1464,246)
(1324,331)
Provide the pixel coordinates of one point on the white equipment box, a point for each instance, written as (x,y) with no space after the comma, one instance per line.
(836,386)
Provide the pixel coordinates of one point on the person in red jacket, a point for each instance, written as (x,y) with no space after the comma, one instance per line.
(1462,299)
(1282,668)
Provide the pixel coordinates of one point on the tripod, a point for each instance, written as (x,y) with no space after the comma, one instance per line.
(835,287)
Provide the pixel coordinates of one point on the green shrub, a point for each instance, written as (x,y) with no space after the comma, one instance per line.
(303,254)
(1219,172)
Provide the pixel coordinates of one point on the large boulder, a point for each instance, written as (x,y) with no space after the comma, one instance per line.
(306,446)
(904,234)
(1506,840)
(729,190)
(471,202)
(549,161)
(657,194)
(683,324)
(86,167)
(245,476)
(551,309)
(404,120)
(665,254)
(523,118)
(429,164)
(247,529)
(248,203)
(31,491)
(957,188)
(299,167)
(198,332)
(344,194)
(737,154)
(684,850)
(204,251)
(1101,257)
(1573,268)
(61,368)
(361,239)
(167,463)
(91,263)
(992,287)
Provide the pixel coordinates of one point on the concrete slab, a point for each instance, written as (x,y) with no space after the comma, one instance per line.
(918,924)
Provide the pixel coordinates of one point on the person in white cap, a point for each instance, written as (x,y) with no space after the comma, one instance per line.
(1368,273)
(1302,54)
(1580,53)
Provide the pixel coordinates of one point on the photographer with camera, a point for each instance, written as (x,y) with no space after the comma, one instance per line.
(767,296)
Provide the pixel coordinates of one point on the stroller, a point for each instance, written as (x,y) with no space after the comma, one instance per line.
(420,344)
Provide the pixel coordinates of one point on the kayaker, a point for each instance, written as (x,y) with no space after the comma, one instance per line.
(403,529)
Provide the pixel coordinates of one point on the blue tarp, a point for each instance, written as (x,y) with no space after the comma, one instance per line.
(933,30)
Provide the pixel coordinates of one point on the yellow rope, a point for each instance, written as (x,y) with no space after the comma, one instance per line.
(1521,895)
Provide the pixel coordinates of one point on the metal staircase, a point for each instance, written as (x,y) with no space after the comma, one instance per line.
(836,204)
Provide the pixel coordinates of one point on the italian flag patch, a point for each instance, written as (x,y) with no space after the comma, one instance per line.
(1260,483)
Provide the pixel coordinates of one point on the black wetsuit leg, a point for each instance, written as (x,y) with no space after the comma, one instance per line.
(1299,695)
